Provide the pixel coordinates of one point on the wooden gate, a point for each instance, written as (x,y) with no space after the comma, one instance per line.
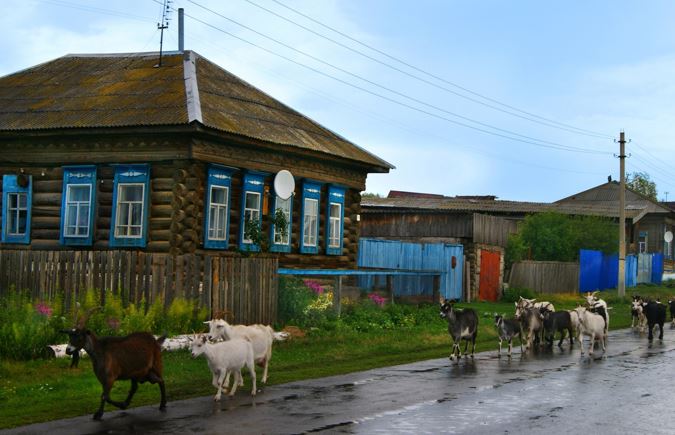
(488,289)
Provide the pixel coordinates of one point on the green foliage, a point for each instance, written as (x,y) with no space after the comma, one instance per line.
(253,229)
(514,294)
(27,327)
(553,236)
(641,183)
(294,297)
(370,195)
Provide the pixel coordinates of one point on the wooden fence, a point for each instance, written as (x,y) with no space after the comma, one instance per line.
(493,230)
(245,286)
(545,276)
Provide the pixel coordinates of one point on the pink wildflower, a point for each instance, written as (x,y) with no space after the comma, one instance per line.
(43,309)
(377,299)
(314,286)
(113,323)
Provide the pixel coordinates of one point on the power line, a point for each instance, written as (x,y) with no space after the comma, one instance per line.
(525,138)
(546,121)
(93,9)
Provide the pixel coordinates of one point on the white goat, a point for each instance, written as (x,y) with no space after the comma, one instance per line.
(576,324)
(260,336)
(595,303)
(593,326)
(531,303)
(226,357)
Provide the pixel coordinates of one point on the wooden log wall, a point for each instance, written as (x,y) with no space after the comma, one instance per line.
(245,286)
(493,230)
(545,276)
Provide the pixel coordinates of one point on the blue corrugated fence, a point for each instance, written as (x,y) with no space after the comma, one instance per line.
(598,271)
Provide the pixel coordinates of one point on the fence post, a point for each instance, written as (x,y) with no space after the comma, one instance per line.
(390,288)
(337,295)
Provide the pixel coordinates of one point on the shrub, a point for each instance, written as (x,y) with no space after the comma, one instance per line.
(294,298)
(514,294)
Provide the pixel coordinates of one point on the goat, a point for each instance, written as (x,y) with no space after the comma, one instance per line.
(260,336)
(576,324)
(638,314)
(532,323)
(671,304)
(655,312)
(560,321)
(530,303)
(592,325)
(599,306)
(137,357)
(226,357)
(462,325)
(507,329)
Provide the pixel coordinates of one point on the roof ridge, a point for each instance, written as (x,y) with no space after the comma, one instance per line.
(194,106)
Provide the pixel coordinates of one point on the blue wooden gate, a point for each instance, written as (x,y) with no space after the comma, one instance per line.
(394,254)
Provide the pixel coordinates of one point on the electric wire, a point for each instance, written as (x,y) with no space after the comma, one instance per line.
(506,133)
(428,82)
(409,65)
(93,9)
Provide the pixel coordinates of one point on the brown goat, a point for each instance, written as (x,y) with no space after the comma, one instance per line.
(136,357)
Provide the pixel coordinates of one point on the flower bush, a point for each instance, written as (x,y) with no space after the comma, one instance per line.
(27,327)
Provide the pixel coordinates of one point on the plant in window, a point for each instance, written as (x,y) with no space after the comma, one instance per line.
(279,221)
(253,230)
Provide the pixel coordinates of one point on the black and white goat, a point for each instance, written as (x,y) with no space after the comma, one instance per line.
(531,303)
(560,321)
(462,325)
(136,357)
(599,306)
(655,312)
(507,329)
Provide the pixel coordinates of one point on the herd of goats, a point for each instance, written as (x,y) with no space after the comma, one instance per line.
(229,348)
(539,321)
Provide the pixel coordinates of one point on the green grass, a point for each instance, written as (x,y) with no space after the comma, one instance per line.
(29,390)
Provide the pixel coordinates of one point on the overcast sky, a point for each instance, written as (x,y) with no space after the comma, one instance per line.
(518,99)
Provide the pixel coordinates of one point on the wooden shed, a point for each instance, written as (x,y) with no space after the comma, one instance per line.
(111,151)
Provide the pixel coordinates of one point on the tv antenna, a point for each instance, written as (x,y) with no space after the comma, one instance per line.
(166,9)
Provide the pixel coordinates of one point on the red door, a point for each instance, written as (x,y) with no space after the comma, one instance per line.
(488,289)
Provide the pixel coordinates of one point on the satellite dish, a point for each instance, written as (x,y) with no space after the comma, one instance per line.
(284,184)
(668,237)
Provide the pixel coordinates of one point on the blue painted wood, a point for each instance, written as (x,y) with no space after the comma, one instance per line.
(598,271)
(131,174)
(220,176)
(394,254)
(631,270)
(354,272)
(10,185)
(311,190)
(78,175)
(657,268)
(254,182)
(336,195)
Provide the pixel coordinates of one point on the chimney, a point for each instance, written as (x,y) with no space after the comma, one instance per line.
(181,30)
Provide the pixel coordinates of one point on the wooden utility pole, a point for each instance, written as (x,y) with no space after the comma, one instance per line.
(622,217)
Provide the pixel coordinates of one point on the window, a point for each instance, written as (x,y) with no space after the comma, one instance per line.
(77,205)
(16,208)
(311,197)
(130,203)
(282,242)
(335,220)
(642,242)
(217,219)
(251,211)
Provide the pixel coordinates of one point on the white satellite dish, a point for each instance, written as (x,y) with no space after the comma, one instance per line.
(284,184)
(668,237)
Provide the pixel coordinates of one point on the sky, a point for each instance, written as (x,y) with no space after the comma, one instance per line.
(522,99)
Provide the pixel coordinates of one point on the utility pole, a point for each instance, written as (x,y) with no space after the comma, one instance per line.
(622,216)
(166,8)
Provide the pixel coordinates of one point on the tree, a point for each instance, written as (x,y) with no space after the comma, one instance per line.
(641,183)
(370,195)
(553,236)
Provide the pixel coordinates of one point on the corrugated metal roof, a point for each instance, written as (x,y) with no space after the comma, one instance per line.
(116,90)
(601,200)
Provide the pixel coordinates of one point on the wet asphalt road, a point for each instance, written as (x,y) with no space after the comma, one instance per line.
(630,390)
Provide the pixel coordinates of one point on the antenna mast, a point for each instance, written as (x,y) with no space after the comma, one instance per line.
(166,8)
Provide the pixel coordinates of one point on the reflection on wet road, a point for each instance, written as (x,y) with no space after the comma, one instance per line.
(627,391)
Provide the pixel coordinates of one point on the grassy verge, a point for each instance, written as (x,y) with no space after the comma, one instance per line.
(30,390)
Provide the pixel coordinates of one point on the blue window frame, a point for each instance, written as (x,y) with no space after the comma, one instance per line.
(217,215)
(282,242)
(129,226)
(78,201)
(311,200)
(251,207)
(17,197)
(335,213)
